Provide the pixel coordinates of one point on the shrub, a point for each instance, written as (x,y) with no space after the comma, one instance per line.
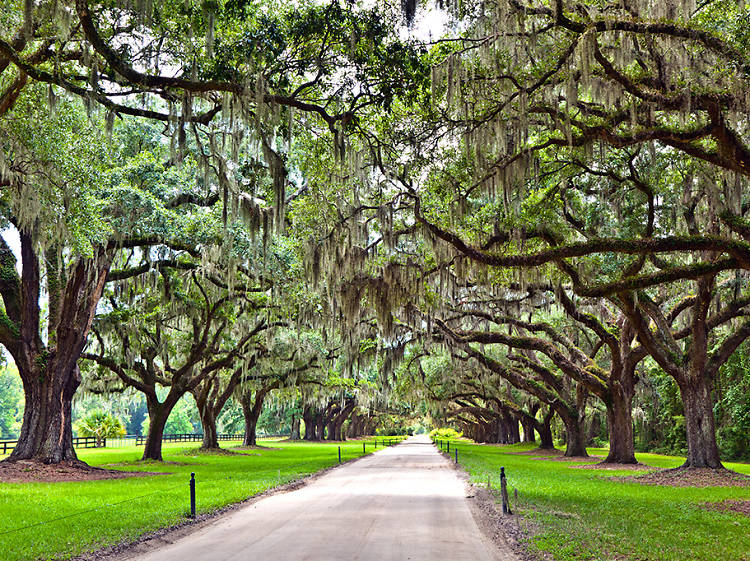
(100,425)
(445,433)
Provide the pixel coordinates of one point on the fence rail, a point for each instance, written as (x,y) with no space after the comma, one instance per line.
(7,446)
(78,442)
(141,440)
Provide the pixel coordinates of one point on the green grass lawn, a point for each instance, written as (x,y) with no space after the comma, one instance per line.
(67,519)
(584,514)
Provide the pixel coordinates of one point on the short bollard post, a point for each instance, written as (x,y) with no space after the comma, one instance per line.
(449,446)
(456,451)
(376,443)
(504,492)
(363,448)
(192,495)
(339,454)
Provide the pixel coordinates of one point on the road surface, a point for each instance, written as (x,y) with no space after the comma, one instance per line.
(402,503)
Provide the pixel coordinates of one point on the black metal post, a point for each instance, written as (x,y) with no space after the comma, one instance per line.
(456,451)
(504,492)
(339,454)
(449,446)
(363,448)
(192,495)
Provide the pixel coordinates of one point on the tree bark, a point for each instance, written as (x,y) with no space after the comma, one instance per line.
(528,431)
(50,375)
(250,437)
(527,423)
(158,413)
(330,417)
(251,410)
(294,434)
(699,422)
(330,429)
(309,417)
(47,432)
(575,431)
(546,442)
(320,424)
(340,417)
(353,428)
(210,434)
(620,423)
(514,436)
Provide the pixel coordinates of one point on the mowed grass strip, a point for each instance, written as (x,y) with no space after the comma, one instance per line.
(585,514)
(123,509)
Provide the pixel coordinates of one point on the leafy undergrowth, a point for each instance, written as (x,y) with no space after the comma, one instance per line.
(64,519)
(590,514)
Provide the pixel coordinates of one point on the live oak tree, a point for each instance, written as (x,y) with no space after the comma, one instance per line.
(174,335)
(63,196)
(292,358)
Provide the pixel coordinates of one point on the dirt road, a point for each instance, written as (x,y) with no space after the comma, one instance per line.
(401,503)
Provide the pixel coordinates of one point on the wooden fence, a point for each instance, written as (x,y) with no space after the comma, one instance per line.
(141,440)
(78,442)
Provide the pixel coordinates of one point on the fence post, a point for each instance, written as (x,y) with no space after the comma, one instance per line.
(339,454)
(504,492)
(364,451)
(456,451)
(449,446)
(192,495)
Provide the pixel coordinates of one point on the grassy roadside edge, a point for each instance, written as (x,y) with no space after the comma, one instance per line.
(515,532)
(663,522)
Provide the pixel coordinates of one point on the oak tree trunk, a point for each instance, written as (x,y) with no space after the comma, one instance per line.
(308,416)
(528,430)
(250,437)
(47,432)
(251,410)
(699,422)
(50,375)
(620,423)
(514,436)
(294,435)
(575,431)
(320,423)
(546,442)
(210,434)
(158,413)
